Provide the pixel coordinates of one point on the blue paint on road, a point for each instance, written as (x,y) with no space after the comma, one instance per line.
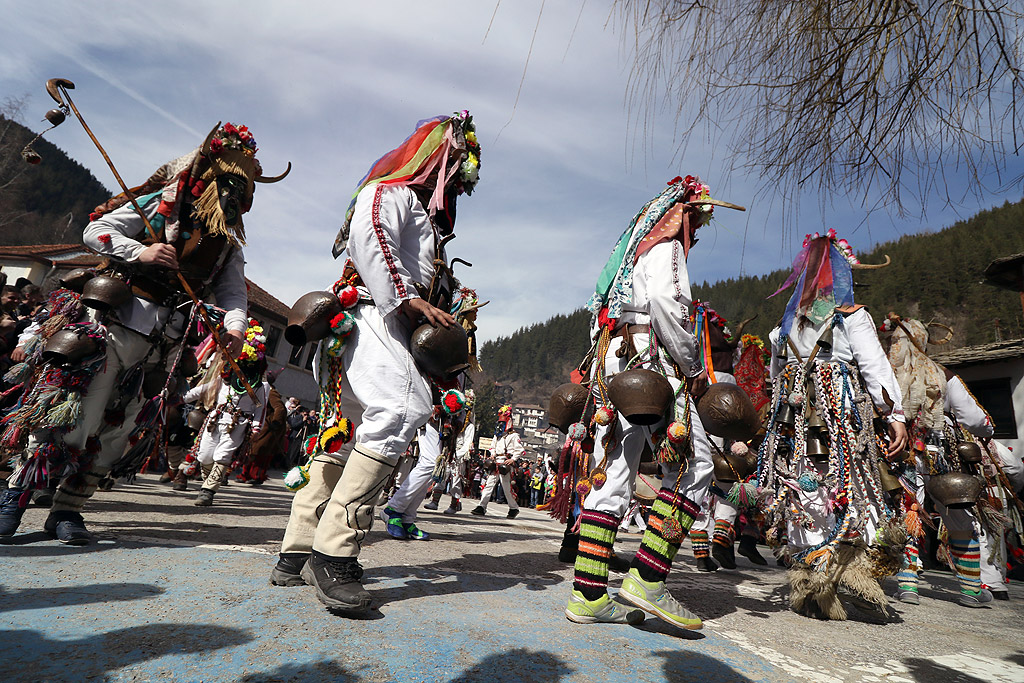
(128,611)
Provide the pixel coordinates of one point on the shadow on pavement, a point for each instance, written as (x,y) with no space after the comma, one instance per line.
(516,665)
(32,656)
(684,665)
(64,596)
(466,574)
(318,672)
(927,671)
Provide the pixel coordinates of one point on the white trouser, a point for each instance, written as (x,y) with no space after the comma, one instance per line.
(506,485)
(624,460)
(220,445)
(413,490)
(993,565)
(392,395)
(456,482)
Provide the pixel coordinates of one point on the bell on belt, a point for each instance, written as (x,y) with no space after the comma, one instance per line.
(104,293)
(641,396)
(887,478)
(441,352)
(310,317)
(567,404)
(814,420)
(954,489)
(969,452)
(725,410)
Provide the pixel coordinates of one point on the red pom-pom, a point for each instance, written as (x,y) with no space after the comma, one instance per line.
(348,296)
(104,238)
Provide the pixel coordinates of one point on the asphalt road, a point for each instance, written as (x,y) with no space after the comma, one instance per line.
(175,592)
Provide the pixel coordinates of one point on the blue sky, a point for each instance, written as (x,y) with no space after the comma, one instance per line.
(330,86)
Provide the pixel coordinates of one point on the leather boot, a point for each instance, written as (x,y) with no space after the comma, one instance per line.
(180,482)
(288,570)
(337,582)
(12,506)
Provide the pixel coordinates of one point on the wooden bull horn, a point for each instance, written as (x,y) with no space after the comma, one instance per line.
(739,329)
(274,178)
(871,266)
(205,148)
(716,202)
(53,87)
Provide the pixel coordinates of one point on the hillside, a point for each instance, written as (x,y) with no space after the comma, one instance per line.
(46,203)
(934,276)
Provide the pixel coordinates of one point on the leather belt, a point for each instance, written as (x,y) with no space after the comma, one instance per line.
(630,329)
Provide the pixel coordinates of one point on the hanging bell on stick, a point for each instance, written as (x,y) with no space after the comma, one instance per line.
(969,452)
(817,446)
(786,415)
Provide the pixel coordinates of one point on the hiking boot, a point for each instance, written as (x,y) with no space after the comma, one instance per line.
(67,526)
(167,477)
(479,511)
(604,610)
(393,524)
(908,597)
(430,505)
(725,555)
(1000,595)
(180,482)
(619,565)
(513,513)
(414,533)
(337,582)
(706,564)
(979,599)
(748,549)
(288,571)
(105,484)
(12,506)
(655,598)
(204,499)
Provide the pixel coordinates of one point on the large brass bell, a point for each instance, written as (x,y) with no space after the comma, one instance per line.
(725,410)
(441,352)
(955,490)
(566,405)
(75,279)
(641,396)
(68,347)
(310,317)
(105,293)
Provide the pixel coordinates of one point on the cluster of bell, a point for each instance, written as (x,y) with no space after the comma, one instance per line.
(441,352)
(816,436)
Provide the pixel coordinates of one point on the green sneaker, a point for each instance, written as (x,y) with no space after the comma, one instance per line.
(655,598)
(604,610)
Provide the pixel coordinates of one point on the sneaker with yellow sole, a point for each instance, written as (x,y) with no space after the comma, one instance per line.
(655,598)
(604,610)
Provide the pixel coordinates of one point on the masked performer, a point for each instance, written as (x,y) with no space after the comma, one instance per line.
(394,231)
(235,416)
(829,369)
(454,477)
(947,429)
(195,203)
(642,325)
(271,440)
(506,450)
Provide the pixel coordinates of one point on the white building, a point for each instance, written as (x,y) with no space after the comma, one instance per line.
(995,375)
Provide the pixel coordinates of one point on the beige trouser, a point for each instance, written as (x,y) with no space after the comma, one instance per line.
(349,514)
(215,477)
(309,502)
(175,454)
(124,349)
